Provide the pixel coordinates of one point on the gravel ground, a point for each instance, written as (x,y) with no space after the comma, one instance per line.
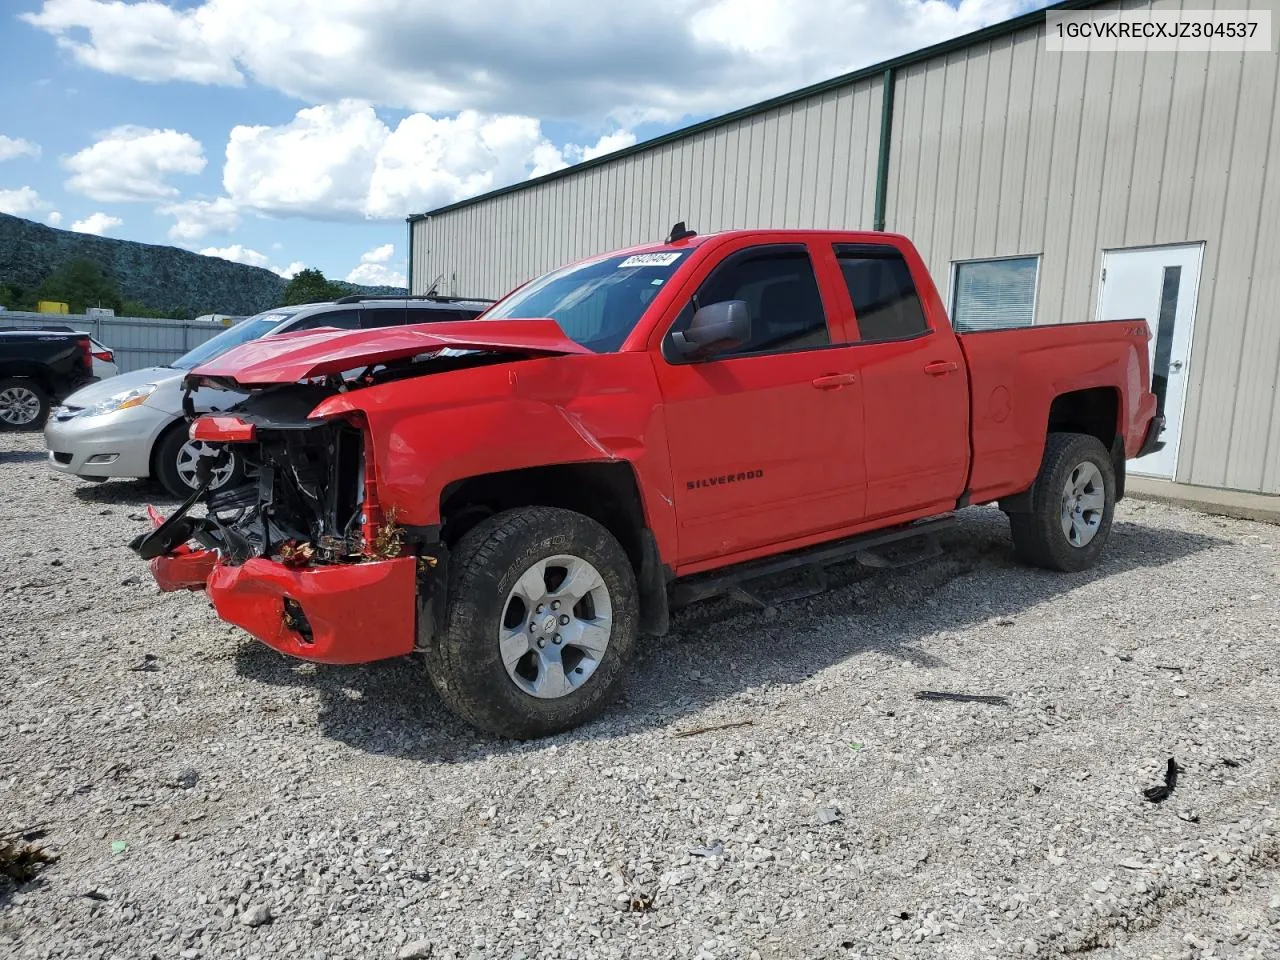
(206,797)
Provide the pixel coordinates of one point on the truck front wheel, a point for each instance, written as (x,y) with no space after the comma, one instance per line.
(1072,503)
(540,615)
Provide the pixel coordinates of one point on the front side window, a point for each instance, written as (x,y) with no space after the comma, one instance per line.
(994,294)
(885,302)
(598,303)
(781,292)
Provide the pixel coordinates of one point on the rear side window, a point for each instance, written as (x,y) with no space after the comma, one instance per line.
(427,315)
(779,287)
(342,319)
(382,317)
(885,302)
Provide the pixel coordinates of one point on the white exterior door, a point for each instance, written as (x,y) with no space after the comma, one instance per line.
(1159,285)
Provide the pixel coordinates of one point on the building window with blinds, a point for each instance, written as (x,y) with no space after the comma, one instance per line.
(994,294)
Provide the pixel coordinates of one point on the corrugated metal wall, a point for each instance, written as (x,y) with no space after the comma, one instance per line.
(1004,149)
(997,149)
(138,342)
(802,164)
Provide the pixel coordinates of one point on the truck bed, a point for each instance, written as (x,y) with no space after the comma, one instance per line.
(1014,376)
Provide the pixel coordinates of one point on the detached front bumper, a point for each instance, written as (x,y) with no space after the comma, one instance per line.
(345,613)
(339,613)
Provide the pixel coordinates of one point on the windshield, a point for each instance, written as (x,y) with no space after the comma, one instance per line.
(244,331)
(596,303)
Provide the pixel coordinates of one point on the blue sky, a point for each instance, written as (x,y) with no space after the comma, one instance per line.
(289,132)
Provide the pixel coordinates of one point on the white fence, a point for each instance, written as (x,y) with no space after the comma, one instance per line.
(137,341)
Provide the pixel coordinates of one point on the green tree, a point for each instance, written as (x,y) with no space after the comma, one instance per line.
(310,286)
(79,284)
(16,298)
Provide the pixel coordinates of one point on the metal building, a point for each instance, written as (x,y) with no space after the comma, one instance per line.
(1040,188)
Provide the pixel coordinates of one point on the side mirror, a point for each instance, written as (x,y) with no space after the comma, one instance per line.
(717,326)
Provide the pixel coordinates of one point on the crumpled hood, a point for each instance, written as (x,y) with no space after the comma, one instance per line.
(290,357)
(102,389)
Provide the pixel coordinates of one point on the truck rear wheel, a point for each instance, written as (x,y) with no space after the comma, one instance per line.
(23,405)
(1072,503)
(540,615)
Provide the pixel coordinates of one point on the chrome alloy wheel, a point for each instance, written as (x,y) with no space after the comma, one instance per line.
(19,406)
(556,626)
(1084,498)
(189,456)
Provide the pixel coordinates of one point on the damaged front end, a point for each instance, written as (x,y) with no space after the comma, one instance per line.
(302,556)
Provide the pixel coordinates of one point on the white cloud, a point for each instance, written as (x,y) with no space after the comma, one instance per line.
(196,219)
(14,147)
(238,253)
(19,202)
(571,59)
(97,224)
(426,162)
(610,143)
(374,269)
(131,163)
(318,164)
(340,160)
(54,218)
(548,159)
(146,41)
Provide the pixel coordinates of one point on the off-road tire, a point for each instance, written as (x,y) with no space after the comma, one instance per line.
(1038,536)
(32,390)
(164,464)
(464,661)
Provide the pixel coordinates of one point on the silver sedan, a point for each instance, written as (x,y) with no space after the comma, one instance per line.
(132,426)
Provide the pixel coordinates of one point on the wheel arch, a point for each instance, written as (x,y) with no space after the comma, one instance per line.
(1095,411)
(606,491)
(38,375)
(157,441)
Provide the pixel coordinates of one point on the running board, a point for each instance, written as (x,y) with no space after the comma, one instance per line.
(883,548)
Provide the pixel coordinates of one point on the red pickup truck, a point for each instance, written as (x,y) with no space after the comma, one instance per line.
(518,496)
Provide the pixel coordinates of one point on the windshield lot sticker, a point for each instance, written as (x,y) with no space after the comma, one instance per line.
(649,260)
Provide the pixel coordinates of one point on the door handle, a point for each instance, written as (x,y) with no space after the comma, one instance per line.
(1175,365)
(938,367)
(833,380)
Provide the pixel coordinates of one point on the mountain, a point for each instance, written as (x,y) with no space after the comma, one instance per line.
(165,278)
